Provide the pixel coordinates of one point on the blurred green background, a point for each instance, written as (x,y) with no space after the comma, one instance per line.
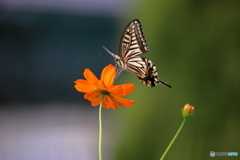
(195,46)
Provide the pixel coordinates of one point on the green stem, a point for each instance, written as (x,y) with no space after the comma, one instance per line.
(100,132)
(174,138)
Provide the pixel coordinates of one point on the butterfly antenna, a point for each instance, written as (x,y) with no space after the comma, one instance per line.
(110,52)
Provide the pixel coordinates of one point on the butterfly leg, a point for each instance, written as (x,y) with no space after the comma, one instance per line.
(119,70)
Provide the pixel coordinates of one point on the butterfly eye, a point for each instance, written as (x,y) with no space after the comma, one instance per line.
(116,60)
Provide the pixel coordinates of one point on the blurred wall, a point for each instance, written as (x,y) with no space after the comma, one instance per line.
(43,53)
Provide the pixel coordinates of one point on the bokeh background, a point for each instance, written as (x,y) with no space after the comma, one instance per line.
(45,46)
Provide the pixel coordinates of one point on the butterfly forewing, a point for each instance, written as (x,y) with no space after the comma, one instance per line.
(133,42)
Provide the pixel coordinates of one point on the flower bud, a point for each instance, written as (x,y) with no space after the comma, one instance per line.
(187,111)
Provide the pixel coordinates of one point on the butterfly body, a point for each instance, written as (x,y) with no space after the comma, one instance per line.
(132,45)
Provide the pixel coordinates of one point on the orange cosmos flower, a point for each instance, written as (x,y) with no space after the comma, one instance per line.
(103,89)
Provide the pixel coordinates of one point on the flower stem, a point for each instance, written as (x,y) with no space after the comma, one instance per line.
(174,138)
(100,132)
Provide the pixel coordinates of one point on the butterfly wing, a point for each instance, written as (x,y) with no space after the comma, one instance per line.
(151,78)
(145,70)
(132,42)
(137,66)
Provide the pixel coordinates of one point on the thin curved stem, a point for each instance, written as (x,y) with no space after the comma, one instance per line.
(100,132)
(174,138)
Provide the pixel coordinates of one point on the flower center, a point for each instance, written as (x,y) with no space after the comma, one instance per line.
(104,92)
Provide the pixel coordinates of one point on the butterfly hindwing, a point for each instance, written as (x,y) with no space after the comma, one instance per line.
(151,78)
(137,66)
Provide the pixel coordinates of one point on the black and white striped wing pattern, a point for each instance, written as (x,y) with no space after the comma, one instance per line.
(132,45)
(151,78)
(145,70)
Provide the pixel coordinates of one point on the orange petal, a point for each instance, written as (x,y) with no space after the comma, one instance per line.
(116,90)
(89,75)
(122,90)
(85,86)
(101,85)
(122,101)
(108,74)
(127,89)
(94,98)
(108,103)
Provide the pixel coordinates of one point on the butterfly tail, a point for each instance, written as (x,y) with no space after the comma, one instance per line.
(164,83)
